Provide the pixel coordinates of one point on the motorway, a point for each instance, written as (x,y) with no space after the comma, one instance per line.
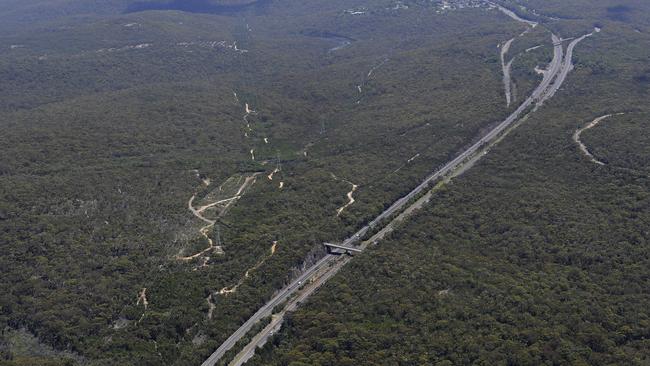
(567,64)
(329,265)
(266,310)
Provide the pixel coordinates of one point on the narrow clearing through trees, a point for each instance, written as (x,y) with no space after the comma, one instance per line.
(350,199)
(348,195)
(583,148)
(231,289)
(205,230)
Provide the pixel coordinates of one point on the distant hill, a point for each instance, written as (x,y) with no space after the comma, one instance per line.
(16,15)
(199,6)
(20,14)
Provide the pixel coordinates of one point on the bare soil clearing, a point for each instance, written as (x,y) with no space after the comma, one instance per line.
(232,289)
(224,204)
(583,148)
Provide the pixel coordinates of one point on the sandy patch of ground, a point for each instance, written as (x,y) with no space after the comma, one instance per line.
(224,204)
(232,289)
(339,211)
(142,298)
(583,148)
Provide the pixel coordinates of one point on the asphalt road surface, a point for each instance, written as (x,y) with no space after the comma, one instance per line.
(326,267)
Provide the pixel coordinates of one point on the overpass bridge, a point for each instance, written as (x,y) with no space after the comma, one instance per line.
(341,249)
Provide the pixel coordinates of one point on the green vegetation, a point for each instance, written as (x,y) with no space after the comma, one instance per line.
(112,121)
(107,118)
(621,142)
(536,256)
(225,360)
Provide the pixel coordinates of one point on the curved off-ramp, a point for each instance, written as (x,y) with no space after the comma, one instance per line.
(506,66)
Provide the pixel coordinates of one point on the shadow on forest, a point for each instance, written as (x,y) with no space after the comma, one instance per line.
(619,13)
(199,6)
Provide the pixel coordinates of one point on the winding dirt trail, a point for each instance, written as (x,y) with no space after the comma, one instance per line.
(413,158)
(232,289)
(270,176)
(533,48)
(247,112)
(368,76)
(592,124)
(142,298)
(374,68)
(349,194)
(204,231)
(211,306)
(350,198)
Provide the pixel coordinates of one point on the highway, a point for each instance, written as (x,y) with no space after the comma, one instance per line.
(329,265)
(538,95)
(266,310)
(317,279)
(567,64)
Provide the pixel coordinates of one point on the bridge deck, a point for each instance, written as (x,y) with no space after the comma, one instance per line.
(349,249)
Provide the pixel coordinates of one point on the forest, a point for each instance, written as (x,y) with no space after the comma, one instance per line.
(113,122)
(536,256)
(134,140)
